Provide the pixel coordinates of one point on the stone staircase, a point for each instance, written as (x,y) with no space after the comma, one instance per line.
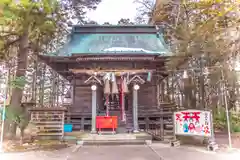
(159,117)
(167,110)
(163,129)
(121,124)
(129,120)
(117,139)
(163,121)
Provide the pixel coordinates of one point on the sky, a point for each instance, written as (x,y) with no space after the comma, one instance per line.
(113,10)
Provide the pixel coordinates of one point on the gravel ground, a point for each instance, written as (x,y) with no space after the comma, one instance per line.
(156,152)
(222,139)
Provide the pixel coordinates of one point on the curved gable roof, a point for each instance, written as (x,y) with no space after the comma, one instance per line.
(108,39)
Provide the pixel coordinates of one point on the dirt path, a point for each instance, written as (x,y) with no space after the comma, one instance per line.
(222,140)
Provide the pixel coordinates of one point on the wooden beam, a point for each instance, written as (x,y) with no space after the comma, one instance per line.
(81,57)
(114,29)
(95,71)
(74,90)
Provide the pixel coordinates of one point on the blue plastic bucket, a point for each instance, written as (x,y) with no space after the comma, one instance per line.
(68,127)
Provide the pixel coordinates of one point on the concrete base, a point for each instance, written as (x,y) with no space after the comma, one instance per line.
(175,143)
(93,132)
(148,142)
(135,131)
(110,139)
(212,146)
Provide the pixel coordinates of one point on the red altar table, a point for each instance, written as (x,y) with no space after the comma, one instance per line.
(106,122)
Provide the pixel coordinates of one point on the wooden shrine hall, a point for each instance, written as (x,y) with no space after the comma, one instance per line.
(113,72)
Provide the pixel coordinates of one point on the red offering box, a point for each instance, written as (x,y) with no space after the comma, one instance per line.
(106,122)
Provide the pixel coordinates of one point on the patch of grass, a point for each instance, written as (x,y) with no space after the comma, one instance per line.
(220,120)
(46,142)
(236,129)
(36,145)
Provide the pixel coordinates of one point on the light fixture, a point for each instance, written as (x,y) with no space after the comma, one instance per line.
(93,87)
(136,87)
(185,75)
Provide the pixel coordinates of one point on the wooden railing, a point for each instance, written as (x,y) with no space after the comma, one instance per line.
(170,98)
(159,128)
(156,130)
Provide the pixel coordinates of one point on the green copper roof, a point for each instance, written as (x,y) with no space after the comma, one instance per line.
(114,40)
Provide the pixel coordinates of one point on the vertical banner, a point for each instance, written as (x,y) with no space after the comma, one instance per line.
(193,123)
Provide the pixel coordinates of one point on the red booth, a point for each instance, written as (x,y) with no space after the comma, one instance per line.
(106,122)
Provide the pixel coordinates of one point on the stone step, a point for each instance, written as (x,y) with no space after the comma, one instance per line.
(114,142)
(168,107)
(168,132)
(167,140)
(122,129)
(166,103)
(155,109)
(152,113)
(109,137)
(169,126)
(170,123)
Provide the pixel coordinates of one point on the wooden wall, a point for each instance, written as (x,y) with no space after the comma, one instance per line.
(147,95)
(82,97)
(82,100)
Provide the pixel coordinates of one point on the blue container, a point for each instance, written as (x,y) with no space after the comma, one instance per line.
(68,127)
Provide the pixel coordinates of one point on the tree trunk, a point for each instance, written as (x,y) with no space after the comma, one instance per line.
(15,103)
(42,85)
(34,80)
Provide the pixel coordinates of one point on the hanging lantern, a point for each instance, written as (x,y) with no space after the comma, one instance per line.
(114,85)
(107,87)
(124,85)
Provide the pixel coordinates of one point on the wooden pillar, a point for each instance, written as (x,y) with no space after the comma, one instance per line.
(74,90)
(147,123)
(63,120)
(94,108)
(135,108)
(82,124)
